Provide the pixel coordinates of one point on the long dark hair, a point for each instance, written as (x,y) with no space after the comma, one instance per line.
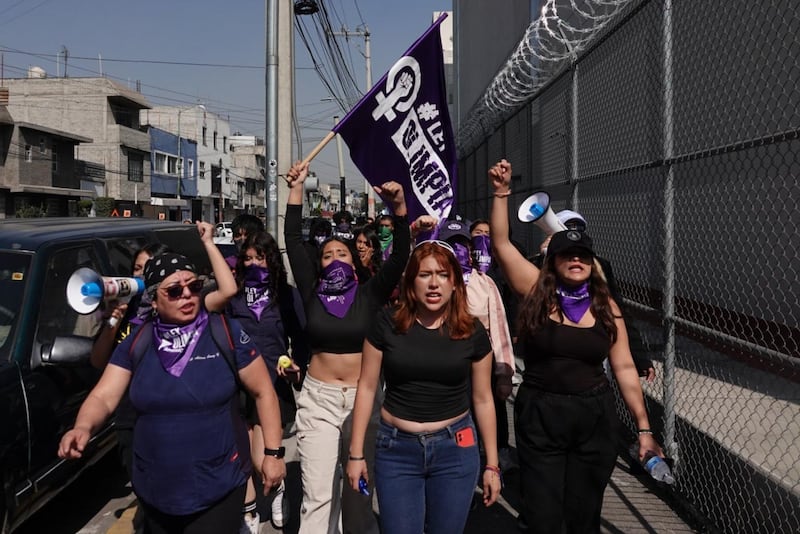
(376,260)
(460,324)
(151,249)
(541,301)
(264,245)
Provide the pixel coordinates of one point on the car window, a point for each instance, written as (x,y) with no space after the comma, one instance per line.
(120,254)
(13,280)
(56,317)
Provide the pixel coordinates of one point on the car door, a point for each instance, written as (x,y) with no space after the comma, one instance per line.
(55,391)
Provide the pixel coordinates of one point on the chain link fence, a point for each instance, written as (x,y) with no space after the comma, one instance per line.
(676,134)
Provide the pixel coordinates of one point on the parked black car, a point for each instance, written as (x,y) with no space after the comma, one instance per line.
(44,345)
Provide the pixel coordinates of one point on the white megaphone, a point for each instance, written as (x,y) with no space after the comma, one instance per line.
(536,209)
(86,288)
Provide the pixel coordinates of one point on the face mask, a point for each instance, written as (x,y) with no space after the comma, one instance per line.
(256,289)
(384,233)
(255,275)
(337,288)
(462,255)
(482,252)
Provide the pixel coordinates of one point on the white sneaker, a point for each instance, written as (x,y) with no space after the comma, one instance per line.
(279,510)
(250,523)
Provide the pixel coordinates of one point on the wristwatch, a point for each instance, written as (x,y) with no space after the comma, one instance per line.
(280,452)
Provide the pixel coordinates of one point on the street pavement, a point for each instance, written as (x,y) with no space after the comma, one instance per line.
(632,504)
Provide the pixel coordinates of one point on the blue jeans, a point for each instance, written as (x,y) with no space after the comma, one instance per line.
(425,482)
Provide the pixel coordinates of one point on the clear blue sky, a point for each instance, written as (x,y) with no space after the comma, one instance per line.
(32,32)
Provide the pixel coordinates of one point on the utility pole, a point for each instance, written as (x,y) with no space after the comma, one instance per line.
(178,164)
(271,134)
(368,58)
(342,200)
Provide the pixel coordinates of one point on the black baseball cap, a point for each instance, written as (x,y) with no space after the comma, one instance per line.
(452,228)
(569,240)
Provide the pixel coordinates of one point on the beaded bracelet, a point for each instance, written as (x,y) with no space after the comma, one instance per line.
(501,195)
(495,469)
(644,431)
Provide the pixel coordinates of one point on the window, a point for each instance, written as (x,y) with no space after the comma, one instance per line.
(172,165)
(160,163)
(190,169)
(215,140)
(224,143)
(42,146)
(135,167)
(202,170)
(54,160)
(205,143)
(28,153)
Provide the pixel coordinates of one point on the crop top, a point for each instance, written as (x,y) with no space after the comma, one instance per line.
(326,332)
(566,359)
(427,374)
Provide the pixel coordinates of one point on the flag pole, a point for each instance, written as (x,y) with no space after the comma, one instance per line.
(319,147)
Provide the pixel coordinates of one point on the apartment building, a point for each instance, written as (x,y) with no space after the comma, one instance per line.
(112,163)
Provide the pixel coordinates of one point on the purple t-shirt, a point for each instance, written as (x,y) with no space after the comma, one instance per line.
(190,443)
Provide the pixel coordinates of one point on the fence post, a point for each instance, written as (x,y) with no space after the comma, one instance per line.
(669,381)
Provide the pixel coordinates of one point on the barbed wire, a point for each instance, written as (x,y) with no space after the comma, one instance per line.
(562,30)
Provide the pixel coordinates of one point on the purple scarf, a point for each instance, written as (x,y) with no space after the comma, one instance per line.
(256,289)
(176,344)
(337,288)
(481,245)
(574,301)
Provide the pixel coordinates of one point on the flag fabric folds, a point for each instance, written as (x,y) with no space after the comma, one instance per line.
(401,130)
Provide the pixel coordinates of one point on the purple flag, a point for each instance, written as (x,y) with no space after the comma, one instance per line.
(401,130)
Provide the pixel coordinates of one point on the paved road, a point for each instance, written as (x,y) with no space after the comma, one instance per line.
(102,502)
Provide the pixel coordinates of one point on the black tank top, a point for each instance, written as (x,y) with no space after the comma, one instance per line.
(566,359)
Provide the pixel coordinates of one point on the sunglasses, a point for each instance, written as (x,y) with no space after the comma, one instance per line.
(443,244)
(175,291)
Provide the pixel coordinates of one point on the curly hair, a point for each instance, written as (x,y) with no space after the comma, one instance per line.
(460,324)
(541,301)
(264,245)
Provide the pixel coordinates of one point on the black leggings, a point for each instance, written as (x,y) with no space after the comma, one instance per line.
(224,517)
(567,451)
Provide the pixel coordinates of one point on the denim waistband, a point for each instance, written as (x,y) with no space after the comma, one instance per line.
(443,433)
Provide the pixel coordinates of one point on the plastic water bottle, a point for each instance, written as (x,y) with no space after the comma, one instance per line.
(655,465)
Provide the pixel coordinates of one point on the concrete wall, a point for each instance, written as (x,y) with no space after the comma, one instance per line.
(485,34)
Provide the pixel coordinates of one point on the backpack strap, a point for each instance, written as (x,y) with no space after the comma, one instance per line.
(221,332)
(142,339)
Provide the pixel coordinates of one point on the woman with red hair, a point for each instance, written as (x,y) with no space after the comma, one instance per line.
(433,355)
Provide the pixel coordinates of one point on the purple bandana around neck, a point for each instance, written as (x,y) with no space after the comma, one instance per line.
(256,289)
(337,288)
(176,343)
(482,251)
(574,301)
(386,252)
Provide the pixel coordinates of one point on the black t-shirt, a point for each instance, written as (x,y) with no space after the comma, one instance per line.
(566,359)
(326,332)
(427,374)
